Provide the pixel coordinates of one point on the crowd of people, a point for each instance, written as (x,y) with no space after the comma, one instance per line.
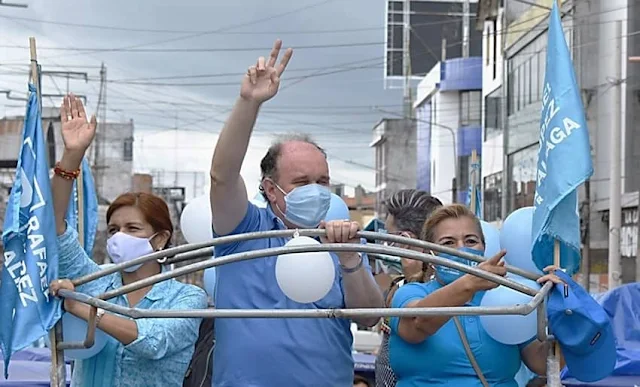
(415,351)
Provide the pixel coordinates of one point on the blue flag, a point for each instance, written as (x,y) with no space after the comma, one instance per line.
(564,159)
(90,204)
(27,310)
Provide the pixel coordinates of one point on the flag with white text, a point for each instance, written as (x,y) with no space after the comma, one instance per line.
(27,310)
(564,158)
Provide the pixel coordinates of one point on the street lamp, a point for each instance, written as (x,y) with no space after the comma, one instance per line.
(634,59)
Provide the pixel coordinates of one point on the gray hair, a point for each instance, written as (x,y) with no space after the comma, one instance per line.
(410,208)
(269,163)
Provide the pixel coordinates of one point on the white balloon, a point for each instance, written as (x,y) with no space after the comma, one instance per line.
(195,220)
(305,277)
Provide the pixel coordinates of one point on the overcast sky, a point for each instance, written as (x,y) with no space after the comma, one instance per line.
(328,36)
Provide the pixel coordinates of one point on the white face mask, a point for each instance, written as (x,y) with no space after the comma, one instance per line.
(123,247)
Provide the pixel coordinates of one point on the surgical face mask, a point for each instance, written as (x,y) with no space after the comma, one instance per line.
(307,205)
(448,275)
(123,247)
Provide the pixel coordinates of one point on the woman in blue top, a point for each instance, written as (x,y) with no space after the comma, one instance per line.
(143,352)
(429,351)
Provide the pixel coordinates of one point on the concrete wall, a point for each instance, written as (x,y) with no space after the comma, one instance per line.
(395,148)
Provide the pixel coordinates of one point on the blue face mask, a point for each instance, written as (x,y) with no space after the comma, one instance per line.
(448,275)
(307,205)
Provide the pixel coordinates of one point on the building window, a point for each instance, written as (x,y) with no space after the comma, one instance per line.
(128,149)
(495,49)
(487,45)
(522,177)
(470,108)
(493,114)
(493,197)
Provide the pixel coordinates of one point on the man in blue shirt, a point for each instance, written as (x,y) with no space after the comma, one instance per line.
(295,180)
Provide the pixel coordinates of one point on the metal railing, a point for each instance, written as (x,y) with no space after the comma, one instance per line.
(196,251)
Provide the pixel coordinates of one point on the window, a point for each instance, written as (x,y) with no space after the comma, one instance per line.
(128,149)
(542,66)
(495,49)
(516,90)
(535,82)
(493,114)
(522,177)
(493,197)
(487,45)
(470,108)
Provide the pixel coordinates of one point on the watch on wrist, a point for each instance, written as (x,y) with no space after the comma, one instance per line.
(355,268)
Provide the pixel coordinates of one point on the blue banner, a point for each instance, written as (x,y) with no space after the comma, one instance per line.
(564,158)
(90,206)
(27,310)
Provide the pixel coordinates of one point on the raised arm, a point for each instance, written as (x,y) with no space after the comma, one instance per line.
(77,134)
(228,191)
(457,293)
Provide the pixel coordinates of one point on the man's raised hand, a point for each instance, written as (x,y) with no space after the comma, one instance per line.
(262,80)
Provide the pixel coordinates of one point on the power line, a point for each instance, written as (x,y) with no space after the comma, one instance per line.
(195,50)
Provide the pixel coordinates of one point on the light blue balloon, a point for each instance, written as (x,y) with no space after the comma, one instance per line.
(515,237)
(75,329)
(209,280)
(338,209)
(491,239)
(510,329)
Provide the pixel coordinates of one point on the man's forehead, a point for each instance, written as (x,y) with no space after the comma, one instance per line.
(302,160)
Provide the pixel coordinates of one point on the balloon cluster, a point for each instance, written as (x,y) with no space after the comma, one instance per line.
(514,237)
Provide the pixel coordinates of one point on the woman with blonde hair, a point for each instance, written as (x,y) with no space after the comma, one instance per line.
(456,351)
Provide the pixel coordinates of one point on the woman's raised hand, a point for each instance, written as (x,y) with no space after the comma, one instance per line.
(77,131)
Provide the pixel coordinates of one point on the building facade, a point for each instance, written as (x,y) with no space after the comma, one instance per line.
(600,36)
(449,126)
(394,142)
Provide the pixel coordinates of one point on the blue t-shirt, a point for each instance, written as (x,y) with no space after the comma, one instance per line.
(275,352)
(441,360)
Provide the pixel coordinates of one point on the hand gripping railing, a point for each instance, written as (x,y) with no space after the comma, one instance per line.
(195,251)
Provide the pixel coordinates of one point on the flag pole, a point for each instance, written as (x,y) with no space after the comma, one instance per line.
(554,359)
(58,369)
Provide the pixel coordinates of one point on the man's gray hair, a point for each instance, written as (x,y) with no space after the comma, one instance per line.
(269,163)
(410,208)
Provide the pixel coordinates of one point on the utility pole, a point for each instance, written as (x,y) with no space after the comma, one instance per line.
(465,29)
(101,114)
(504,113)
(615,210)
(406,60)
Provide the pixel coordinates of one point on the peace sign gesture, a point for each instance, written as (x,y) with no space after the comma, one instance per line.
(77,132)
(261,82)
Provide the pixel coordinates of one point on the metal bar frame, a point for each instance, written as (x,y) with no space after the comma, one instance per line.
(199,250)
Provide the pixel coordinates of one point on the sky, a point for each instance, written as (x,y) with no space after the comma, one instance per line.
(175,69)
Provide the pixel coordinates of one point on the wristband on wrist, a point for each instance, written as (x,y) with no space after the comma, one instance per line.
(63,173)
